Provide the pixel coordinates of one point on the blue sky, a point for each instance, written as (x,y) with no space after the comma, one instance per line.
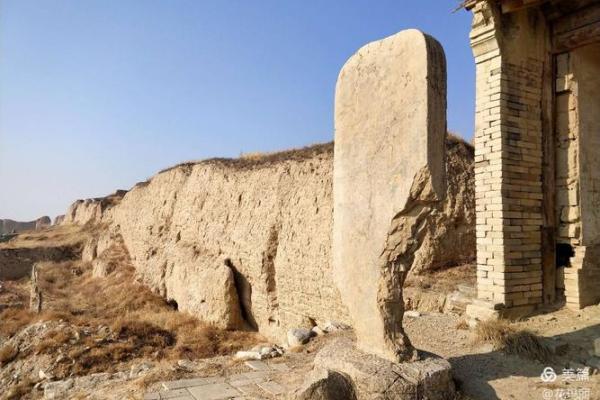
(98,95)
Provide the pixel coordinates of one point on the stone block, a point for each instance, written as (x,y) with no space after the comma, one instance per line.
(272,388)
(390,129)
(322,384)
(376,378)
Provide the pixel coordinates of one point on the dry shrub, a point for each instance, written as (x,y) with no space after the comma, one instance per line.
(141,333)
(8,352)
(19,390)
(519,342)
(14,319)
(196,339)
(53,340)
(462,325)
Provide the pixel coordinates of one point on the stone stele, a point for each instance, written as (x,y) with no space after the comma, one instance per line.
(389,175)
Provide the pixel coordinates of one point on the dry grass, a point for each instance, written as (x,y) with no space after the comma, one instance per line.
(52,236)
(462,325)
(256,159)
(113,321)
(14,319)
(8,352)
(19,390)
(443,280)
(508,338)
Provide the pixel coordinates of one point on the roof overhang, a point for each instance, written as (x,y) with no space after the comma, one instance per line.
(552,8)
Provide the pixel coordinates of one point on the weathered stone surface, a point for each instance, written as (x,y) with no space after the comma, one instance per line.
(58,389)
(389,174)
(322,384)
(376,378)
(212,295)
(90,250)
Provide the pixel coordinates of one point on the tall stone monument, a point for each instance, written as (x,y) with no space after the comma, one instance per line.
(389,177)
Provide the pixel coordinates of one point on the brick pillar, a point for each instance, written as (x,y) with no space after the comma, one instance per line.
(508,161)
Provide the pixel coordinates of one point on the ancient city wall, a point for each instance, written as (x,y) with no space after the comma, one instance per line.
(16,263)
(248,241)
(9,226)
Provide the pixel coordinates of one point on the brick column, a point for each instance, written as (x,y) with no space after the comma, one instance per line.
(508,162)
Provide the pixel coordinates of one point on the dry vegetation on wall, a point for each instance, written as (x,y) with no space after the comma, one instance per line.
(101,324)
(262,159)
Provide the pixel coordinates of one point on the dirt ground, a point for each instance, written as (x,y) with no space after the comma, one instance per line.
(112,338)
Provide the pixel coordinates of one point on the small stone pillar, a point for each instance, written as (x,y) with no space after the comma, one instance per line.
(35,299)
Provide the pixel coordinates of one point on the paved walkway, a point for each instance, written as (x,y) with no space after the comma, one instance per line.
(262,381)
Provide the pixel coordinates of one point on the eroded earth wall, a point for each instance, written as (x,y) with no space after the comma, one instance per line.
(248,241)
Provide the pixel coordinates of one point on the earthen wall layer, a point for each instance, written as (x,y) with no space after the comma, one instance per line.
(268,221)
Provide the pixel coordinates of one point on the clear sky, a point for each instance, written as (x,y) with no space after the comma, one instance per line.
(98,95)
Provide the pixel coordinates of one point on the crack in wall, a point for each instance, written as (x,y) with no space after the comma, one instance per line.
(269,274)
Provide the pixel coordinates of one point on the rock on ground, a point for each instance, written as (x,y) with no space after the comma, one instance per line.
(322,384)
(376,378)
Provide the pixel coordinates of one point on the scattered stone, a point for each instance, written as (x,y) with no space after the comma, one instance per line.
(43,375)
(457,302)
(103,330)
(186,365)
(140,370)
(260,353)
(321,384)
(412,314)
(317,331)
(119,376)
(58,389)
(248,355)
(298,336)
(332,326)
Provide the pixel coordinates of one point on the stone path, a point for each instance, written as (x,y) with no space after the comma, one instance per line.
(262,381)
